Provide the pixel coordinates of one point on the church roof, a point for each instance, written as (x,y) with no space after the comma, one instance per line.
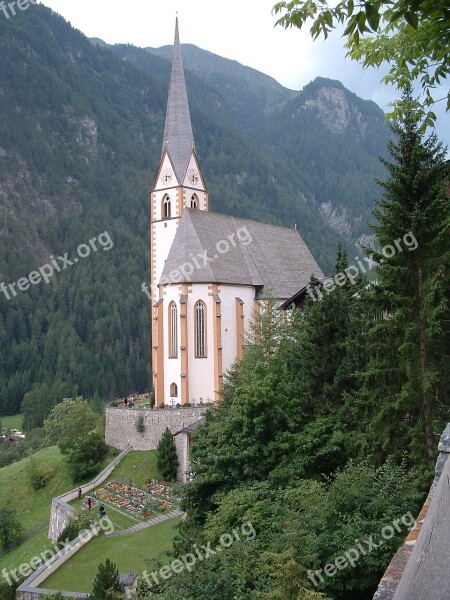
(273,258)
(178,137)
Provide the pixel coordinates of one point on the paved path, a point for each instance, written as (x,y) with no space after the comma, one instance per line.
(174,513)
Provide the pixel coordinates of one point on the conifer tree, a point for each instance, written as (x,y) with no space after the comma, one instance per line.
(106,583)
(167,459)
(329,328)
(406,383)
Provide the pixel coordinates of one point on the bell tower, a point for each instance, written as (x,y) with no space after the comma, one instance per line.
(179,184)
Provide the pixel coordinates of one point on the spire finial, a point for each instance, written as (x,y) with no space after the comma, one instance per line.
(178,128)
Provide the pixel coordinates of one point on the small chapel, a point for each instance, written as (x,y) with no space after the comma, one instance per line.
(209,272)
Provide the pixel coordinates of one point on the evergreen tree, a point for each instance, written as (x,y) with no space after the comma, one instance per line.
(330,323)
(167,459)
(106,582)
(405,396)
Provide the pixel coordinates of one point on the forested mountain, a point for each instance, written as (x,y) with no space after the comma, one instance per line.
(80,140)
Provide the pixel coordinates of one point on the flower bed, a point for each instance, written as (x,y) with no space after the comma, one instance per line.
(139,503)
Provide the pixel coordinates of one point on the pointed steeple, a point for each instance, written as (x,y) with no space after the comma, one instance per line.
(178,137)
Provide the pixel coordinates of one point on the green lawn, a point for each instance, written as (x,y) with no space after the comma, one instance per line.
(118,517)
(137,467)
(130,552)
(12,422)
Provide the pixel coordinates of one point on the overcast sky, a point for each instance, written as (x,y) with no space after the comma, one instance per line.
(242,30)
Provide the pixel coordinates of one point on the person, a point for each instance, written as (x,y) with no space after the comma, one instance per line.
(89,501)
(79,493)
(101,511)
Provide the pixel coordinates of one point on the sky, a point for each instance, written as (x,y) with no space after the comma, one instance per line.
(242,30)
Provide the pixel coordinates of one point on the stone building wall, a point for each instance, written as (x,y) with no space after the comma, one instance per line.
(182,445)
(120,429)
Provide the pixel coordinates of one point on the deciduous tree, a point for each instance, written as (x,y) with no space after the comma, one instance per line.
(412,36)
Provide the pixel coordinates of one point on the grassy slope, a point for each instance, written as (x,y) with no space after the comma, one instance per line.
(128,552)
(33,509)
(137,467)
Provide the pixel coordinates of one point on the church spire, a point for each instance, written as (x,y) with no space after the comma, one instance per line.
(178,136)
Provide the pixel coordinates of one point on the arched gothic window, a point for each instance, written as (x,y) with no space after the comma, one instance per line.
(200,330)
(166,209)
(173,390)
(173,330)
(194,201)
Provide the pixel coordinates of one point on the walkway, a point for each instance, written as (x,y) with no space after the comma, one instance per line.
(159,519)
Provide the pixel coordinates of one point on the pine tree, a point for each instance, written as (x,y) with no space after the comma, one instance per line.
(330,332)
(167,459)
(106,582)
(406,383)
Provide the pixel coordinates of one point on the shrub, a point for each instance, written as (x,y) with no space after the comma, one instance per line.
(85,458)
(10,529)
(7,591)
(139,424)
(73,528)
(35,475)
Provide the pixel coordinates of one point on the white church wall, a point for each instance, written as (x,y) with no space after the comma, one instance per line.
(172,366)
(165,232)
(228,295)
(201,370)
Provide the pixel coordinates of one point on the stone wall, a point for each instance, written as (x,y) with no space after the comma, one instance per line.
(120,429)
(182,445)
(412,563)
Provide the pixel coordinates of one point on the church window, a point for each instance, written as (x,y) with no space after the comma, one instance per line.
(194,201)
(200,330)
(166,210)
(173,390)
(173,330)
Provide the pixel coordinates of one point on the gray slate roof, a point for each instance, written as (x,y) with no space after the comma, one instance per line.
(276,259)
(178,137)
(189,429)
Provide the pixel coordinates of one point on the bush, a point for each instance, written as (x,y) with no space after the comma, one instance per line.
(10,529)
(35,474)
(85,459)
(139,424)
(8,592)
(73,528)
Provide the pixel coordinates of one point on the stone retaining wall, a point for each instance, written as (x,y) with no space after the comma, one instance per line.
(120,429)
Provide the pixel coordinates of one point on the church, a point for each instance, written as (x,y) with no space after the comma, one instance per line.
(209,272)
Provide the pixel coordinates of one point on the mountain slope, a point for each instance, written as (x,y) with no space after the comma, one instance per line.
(80,141)
(324,139)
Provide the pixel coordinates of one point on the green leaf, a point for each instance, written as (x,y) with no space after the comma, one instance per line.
(373,16)
(412,19)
